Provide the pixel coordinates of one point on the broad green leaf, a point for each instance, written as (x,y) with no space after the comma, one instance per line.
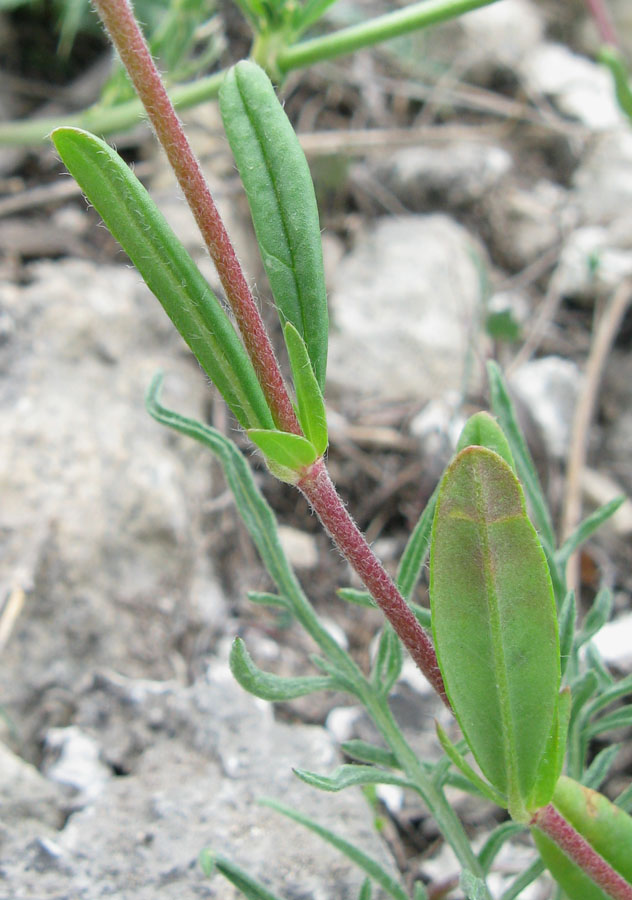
(494,621)
(249,886)
(467,771)
(168,270)
(587,527)
(483,430)
(357,856)
(271,687)
(282,202)
(603,825)
(311,407)
(290,451)
(351,776)
(388,662)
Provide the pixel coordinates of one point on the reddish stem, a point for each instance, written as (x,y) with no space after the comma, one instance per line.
(128,39)
(549,821)
(319,491)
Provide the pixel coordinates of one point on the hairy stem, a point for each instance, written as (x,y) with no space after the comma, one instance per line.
(118,17)
(322,496)
(549,821)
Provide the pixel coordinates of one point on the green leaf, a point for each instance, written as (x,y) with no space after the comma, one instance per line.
(271,687)
(420,892)
(597,772)
(282,202)
(473,886)
(621,718)
(365,890)
(489,792)
(290,451)
(483,430)
(416,550)
(609,695)
(494,621)
(423,615)
(586,529)
(612,58)
(523,880)
(311,407)
(624,800)
(359,598)
(490,849)
(369,753)
(553,757)
(596,617)
(507,419)
(263,598)
(168,270)
(357,856)
(388,662)
(352,776)
(567,619)
(249,886)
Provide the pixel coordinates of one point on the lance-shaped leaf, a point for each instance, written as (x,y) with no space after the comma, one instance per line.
(483,430)
(350,776)
(166,267)
(282,202)
(311,406)
(603,825)
(494,621)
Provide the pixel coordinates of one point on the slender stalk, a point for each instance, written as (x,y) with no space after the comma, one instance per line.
(434,798)
(322,496)
(603,20)
(549,821)
(381,28)
(128,39)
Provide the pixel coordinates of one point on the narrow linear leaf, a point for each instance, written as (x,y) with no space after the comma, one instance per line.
(594,660)
(249,886)
(523,880)
(490,849)
(311,406)
(290,451)
(359,598)
(388,662)
(352,776)
(596,617)
(167,269)
(597,772)
(263,598)
(267,686)
(489,792)
(621,718)
(357,856)
(365,890)
(282,202)
(473,886)
(483,430)
(615,692)
(369,753)
(586,529)
(416,550)
(420,891)
(423,615)
(504,410)
(624,800)
(612,58)
(494,621)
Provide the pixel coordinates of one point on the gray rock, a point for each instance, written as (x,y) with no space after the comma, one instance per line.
(579,87)
(591,264)
(603,181)
(445,177)
(406,309)
(218,750)
(549,388)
